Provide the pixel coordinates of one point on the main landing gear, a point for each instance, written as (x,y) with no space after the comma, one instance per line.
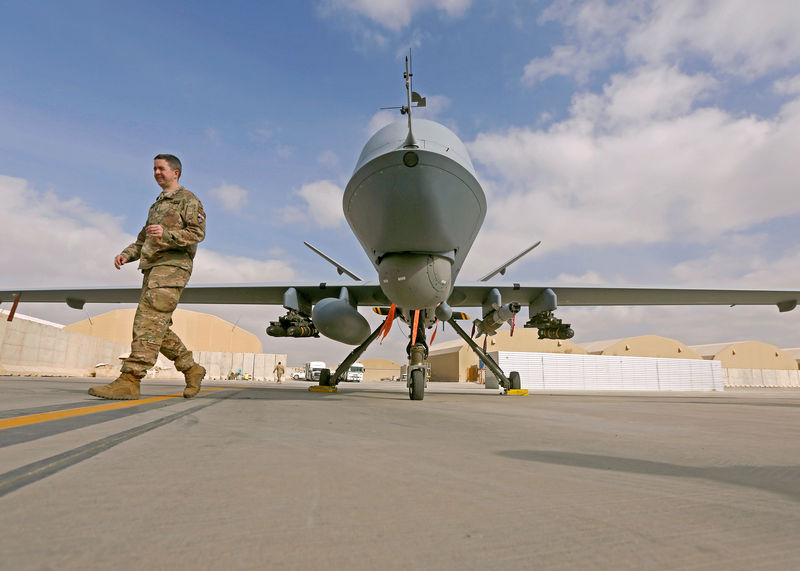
(417,349)
(512,382)
(326,379)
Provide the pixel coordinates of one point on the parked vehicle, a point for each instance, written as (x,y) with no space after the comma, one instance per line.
(313,369)
(355,373)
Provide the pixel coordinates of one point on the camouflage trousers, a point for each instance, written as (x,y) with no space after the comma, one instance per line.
(161,290)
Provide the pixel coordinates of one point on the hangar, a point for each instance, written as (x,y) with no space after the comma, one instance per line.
(748,355)
(376,369)
(94,346)
(199,331)
(642,346)
(794,353)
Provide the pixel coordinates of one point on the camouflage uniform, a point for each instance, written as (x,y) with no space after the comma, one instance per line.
(278,370)
(167,266)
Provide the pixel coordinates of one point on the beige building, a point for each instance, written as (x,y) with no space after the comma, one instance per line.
(748,355)
(198,331)
(642,346)
(456,361)
(794,353)
(378,369)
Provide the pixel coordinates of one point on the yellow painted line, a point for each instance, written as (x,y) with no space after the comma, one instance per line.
(61,414)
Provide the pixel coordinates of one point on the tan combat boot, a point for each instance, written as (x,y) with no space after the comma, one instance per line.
(194,376)
(125,387)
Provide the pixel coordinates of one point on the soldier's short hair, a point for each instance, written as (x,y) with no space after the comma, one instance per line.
(173,162)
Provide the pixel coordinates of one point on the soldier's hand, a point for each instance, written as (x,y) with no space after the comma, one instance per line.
(119,260)
(154,230)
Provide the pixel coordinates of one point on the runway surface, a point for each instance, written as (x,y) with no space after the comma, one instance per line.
(272,476)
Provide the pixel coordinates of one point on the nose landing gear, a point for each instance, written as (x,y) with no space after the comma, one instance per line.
(416,378)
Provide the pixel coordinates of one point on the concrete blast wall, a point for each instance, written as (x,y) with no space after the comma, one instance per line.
(761,378)
(597,372)
(544,371)
(28,348)
(259,366)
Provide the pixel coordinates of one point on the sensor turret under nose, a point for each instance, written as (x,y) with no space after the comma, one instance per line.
(415,281)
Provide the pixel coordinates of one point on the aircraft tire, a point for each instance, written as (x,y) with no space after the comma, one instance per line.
(325,378)
(515,381)
(416,390)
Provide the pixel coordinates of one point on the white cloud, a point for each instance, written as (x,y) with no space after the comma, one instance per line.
(597,30)
(323,205)
(788,86)
(736,37)
(213,135)
(395,15)
(380,120)
(293,213)
(653,94)
(285,151)
(48,241)
(589,277)
(634,165)
(52,242)
(212,267)
(264,132)
(745,261)
(566,60)
(232,197)
(329,159)
(435,105)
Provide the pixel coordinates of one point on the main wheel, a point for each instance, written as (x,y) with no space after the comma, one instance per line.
(416,390)
(325,378)
(515,382)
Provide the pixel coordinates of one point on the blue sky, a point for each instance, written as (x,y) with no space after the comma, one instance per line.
(644,142)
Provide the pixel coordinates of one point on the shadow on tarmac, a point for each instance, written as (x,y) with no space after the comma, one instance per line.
(783,480)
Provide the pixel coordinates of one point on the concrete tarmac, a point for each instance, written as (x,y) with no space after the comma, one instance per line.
(259,475)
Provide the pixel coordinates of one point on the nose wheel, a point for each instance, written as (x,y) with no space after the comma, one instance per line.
(416,385)
(417,371)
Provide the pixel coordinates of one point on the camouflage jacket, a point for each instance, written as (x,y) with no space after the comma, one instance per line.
(181,215)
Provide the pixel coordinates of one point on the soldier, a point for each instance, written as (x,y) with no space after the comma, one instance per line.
(278,370)
(165,248)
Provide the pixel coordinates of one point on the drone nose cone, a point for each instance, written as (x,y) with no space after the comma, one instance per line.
(422,200)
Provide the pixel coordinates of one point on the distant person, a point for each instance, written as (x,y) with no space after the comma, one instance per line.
(165,248)
(278,370)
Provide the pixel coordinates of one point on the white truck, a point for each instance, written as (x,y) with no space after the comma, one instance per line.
(355,373)
(313,369)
